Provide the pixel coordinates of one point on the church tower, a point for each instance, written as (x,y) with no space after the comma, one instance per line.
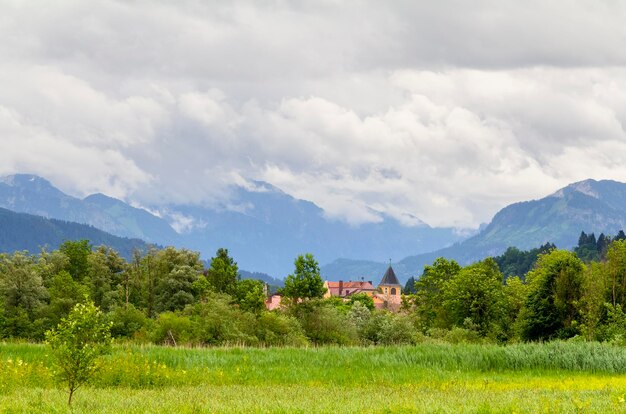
(391,288)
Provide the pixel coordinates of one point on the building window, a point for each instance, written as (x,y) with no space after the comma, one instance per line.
(393,291)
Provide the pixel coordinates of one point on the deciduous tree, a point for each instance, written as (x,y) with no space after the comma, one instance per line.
(77,344)
(305,282)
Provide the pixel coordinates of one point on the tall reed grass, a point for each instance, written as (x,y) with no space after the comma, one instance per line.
(154,366)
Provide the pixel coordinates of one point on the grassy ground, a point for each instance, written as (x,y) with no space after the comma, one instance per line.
(555,377)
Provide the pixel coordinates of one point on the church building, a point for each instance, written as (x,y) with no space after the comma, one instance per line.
(387,295)
(390,289)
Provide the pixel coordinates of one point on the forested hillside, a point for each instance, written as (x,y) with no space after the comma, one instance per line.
(20,231)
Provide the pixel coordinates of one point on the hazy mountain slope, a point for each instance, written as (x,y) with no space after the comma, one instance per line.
(590,206)
(34,195)
(20,231)
(263,228)
(272,228)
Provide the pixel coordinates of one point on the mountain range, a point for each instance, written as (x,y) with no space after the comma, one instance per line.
(590,206)
(263,228)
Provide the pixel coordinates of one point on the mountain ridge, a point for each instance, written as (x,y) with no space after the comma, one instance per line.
(590,205)
(264,228)
(22,231)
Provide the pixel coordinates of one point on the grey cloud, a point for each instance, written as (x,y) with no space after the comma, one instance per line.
(444,111)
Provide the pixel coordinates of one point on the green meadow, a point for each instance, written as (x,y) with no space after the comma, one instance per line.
(523,378)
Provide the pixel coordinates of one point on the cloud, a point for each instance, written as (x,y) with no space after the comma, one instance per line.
(76,168)
(435,111)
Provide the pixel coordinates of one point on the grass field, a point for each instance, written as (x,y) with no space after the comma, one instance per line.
(554,377)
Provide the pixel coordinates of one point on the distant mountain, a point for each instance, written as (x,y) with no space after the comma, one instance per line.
(263,228)
(590,206)
(20,231)
(266,230)
(272,281)
(31,194)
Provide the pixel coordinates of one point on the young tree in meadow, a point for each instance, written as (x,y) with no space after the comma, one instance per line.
(77,344)
(552,308)
(223,272)
(306,282)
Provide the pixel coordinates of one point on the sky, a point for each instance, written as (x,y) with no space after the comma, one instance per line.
(445,111)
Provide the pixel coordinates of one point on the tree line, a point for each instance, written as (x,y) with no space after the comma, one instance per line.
(168,296)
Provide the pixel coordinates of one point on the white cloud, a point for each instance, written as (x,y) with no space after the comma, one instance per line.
(444,111)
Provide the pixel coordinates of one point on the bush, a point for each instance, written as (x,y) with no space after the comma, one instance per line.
(126,322)
(325,324)
(217,322)
(278,329)
(386,328)
(173,329)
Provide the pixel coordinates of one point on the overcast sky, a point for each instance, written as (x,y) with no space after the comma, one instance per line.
(445,110)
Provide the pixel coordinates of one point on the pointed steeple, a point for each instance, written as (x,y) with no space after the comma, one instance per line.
(390,278)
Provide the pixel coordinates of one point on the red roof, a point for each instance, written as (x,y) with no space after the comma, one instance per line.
(349,288)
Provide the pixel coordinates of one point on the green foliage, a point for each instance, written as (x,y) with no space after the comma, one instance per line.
(476,293)
(65,293)
(223,272)
(616,271)
(561,298)
(386,328)
(126,321)
(589,249)
(173,329)
(305,282)
(614,329)
(363,298)
(409,286)
(175,289)
(105,273)
(553,303)
(276,329)
(515,262)
(250,295)
(429,290)
(515,295)
(359,315)
(77,253)
(324,324)
(77,344)
(22,294)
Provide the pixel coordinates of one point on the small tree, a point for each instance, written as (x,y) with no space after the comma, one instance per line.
(306,282)
(223,272)
(77,344)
